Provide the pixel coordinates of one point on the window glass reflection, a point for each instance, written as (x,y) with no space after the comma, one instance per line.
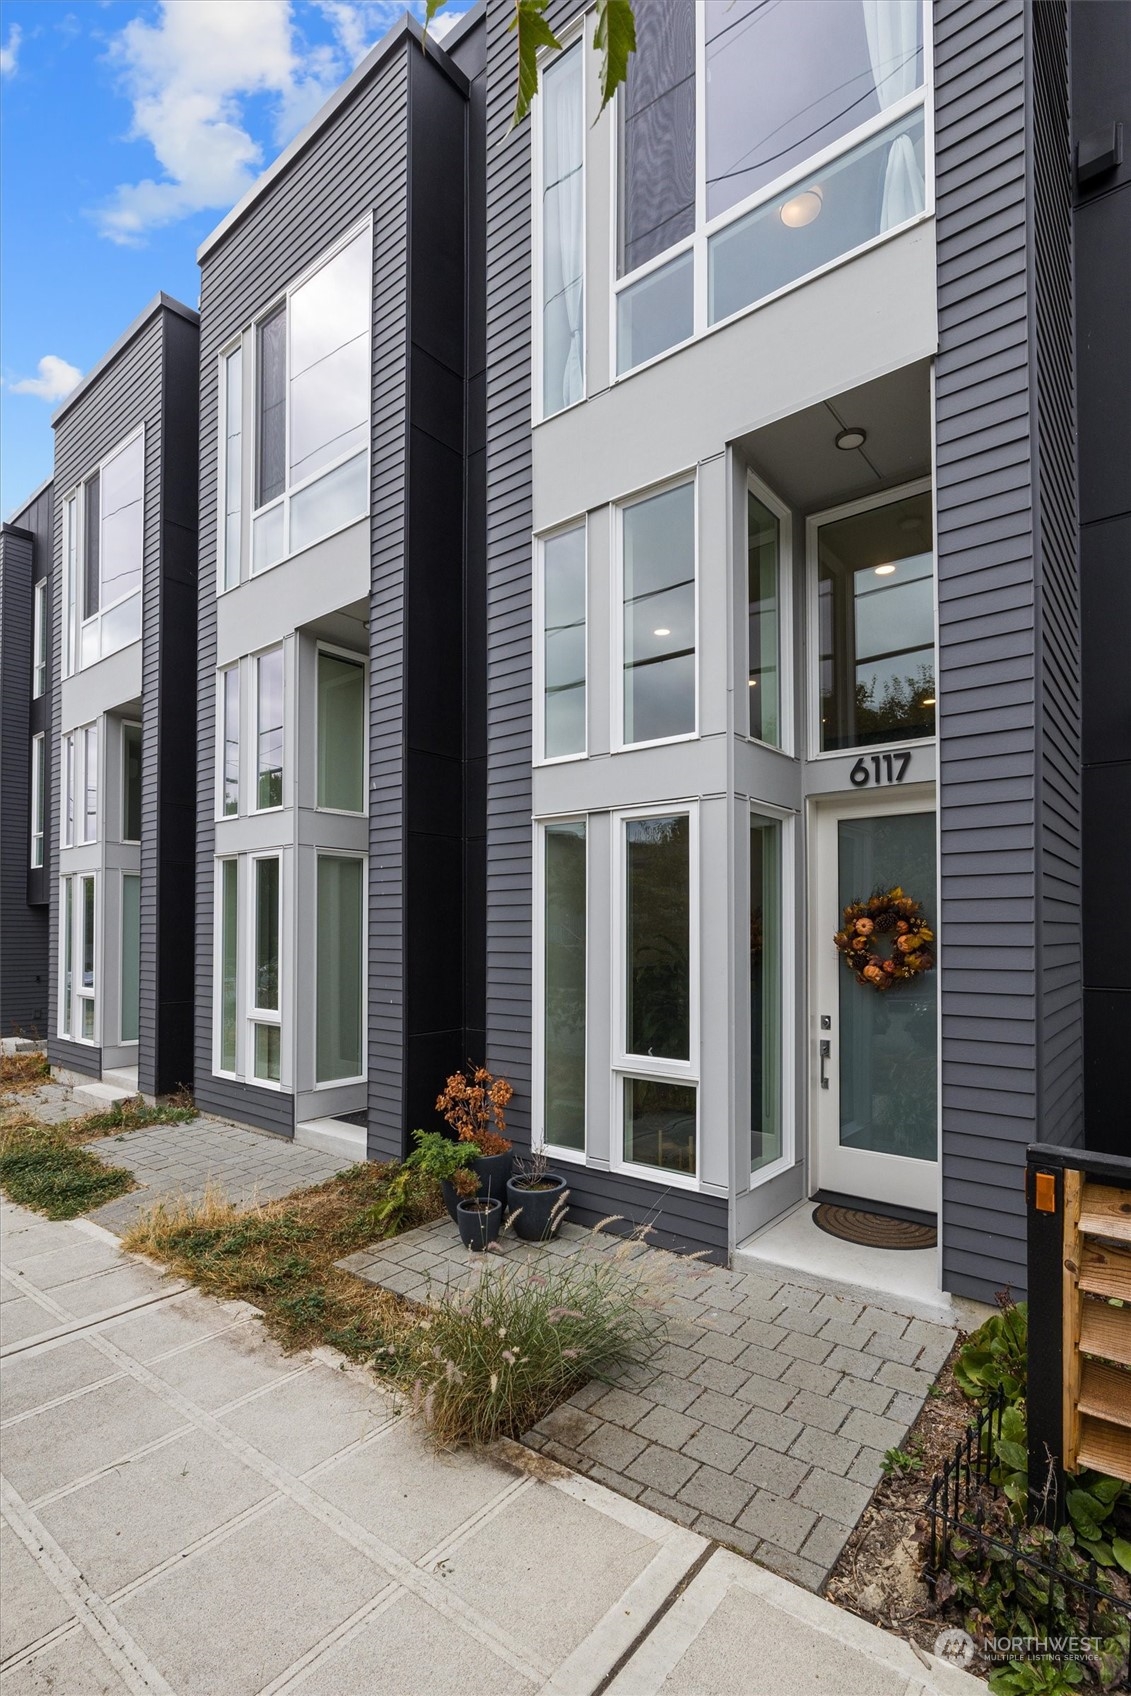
(764,620)
(659,616)
(658,937)
(565,955)
(563,603)
(659,1124)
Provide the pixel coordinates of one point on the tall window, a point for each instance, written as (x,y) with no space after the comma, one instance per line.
(229,963)
(67,787)
(131,956)
(763,555)
(563,644)
(39,640)
(341,733)
(230,733)
(659,1106)
(90,783)
(765,993)
(563,987)
(312,407)
(112,542)
(131,783)
(231,401)
(70,583)
(38,796)
(269,729)
(876,622)
(86,919)
(339,986)
(812,145)
(266,1032)
(563,213)
(659,616)
(67,963)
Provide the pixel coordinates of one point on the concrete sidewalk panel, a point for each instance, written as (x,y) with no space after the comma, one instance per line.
(71,1666)
(43,1374)
(21,1318)
(66,1263)
(177,1323)
(305,1421)
(65,1443)
(224,1368)
(32,1604)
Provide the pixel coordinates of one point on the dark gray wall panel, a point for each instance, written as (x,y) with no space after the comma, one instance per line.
(23,926)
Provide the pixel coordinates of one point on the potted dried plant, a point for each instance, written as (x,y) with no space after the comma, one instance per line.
(479,1218)
(537,1199)
(475,1107)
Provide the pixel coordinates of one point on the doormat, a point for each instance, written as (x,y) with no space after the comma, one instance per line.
(872,1230)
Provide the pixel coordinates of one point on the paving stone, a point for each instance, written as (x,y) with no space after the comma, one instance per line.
(872,1431)
(759,1331)
(867,1468)
(612,1446)
(719,1375)
(662,1469)
(780,1474)
(854,1361)
(769,1393)
(715,1448)
(677,1361)
(677,1393)
(859,1392)
(664,1425)
(839,1307)
(588,1394)
(892,1348)
(908,1378)
(796,1295)
(768,1363)
(717,1493)
(717,1346)
(709,1408)
(936,1341)
(823,1448)
(621,1407)
(802,1321)
(807,1375)
(728,1323)
(821,1411)
(787,1524)
(721,1297)
(792,1566)
(728,1535)
(772,1430)
(682,1512)
(765,1309)
(567,1457)
(568,1424)
(758,1286)
(824,1543)
(802,1347)
(616,1481)
(882,1319)
(904,1408)
(833,1497)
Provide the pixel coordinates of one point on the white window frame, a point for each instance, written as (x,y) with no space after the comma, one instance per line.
(222,673)
(623,505)
(127,1041)
(39,639)
(279,648)
(573,37)
(789,986)
(786,675)
(38,798)
(67,790)
(219,863)
(65,1011)
(70,619)
(813,524)
(362,1076)
(82,746)
(697,243)
(578,1156)
(541,758)
(623,1064)
(79,994)
(356,659)
(75,526)
(223,587)
(126,724)
(255,1015)
(291,490)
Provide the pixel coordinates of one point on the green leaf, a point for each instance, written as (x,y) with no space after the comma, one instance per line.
(1121,1549)
(533,32)
(1013,1455)
(431,7)
(615,40)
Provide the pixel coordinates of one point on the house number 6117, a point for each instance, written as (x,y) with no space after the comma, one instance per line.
(880,768)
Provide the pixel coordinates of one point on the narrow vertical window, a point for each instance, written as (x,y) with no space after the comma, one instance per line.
(38,792)
(233,464)
(90,783)
(229,962)
(131,956)
(131,783)
(763,551)
(92,535)
(265,984)
(659,616)
(39,641)
(86,958)
(563,199)
(67,926)
(765,993)
(68,789)
(230,730)
(564,999)
(338,982)
(341,734)
(269,729)
(71,579)
(563,652)
(267,531)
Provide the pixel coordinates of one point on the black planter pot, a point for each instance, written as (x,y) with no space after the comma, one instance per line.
(451,1198)
(493,1170)
(479,1221)
(532,1208)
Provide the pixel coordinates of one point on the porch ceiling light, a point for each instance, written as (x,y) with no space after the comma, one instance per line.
(884,570)
(927,701)
(803,208)
(663,631)
(851,438)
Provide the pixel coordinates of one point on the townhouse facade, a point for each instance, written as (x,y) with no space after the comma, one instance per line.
(626,540)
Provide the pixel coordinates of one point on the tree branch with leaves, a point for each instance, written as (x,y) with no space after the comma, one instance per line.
(614,40)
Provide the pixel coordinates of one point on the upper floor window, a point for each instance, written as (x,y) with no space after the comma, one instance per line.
(39,640)
(103,541)
(312,401)
(230,741)
(269,730)
(562,149)
(658,616)
(38,796)
(563,598)
(341,733)
(231,405)
(131,783)
(803,143)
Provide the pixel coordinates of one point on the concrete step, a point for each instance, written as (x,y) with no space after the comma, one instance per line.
(332,1136)
(20,1045)
(124,1077)
(97,1097)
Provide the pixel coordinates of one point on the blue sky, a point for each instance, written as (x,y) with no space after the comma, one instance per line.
(128,129)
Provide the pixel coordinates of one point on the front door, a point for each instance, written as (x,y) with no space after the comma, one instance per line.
(875,1072)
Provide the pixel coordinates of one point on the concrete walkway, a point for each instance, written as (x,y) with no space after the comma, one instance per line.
(190,1512)
(762,1422)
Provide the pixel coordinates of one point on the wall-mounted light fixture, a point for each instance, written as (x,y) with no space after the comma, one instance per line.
(851,438)
(802,209)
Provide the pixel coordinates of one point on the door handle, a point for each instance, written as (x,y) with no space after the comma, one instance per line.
(825,1051)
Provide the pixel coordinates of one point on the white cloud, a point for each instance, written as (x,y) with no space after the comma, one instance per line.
(444,23)
(10,52)
(57,377)
(188,75)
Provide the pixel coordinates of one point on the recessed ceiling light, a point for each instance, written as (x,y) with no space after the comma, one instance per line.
(664,631)
(851,438)
(928,701)
(753,683)
(802,209)
(884,570)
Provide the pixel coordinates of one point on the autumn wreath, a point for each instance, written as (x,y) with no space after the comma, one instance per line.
(866,921)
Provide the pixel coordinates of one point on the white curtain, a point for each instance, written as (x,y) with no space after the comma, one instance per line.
(892,28)
(563,280)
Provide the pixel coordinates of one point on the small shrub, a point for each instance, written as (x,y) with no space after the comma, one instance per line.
(898,1461)
(495,1361)
(134,1114)
(994,1356)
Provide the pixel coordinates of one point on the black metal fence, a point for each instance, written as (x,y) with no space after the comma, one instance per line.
(1054,1580)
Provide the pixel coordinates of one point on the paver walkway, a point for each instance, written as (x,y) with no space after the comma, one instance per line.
(190,1512)
(763,1420)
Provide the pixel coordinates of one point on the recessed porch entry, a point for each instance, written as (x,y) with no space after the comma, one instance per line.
(875,1071)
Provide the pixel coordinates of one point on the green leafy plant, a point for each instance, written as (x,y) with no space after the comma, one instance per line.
(48,1171)
(994,1357)
(1037,1678)
(898,1461)
(435,1159)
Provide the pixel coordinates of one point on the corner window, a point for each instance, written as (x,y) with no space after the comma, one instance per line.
(89,808)
(658,620)
(804,142)
(131,957)
(67,956)
(231,435)
(563,644)
(67,789)
(228,917)
(70,583)
(86,937)
(562,130)
(339,988)
(104,608)
(764,619)
(38,797)
(312,407)
(766,993)
(563,985)
(269,730)
(39,640)
(77,936)
(131,783)
(265,990)
(230,741)
(341,733)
